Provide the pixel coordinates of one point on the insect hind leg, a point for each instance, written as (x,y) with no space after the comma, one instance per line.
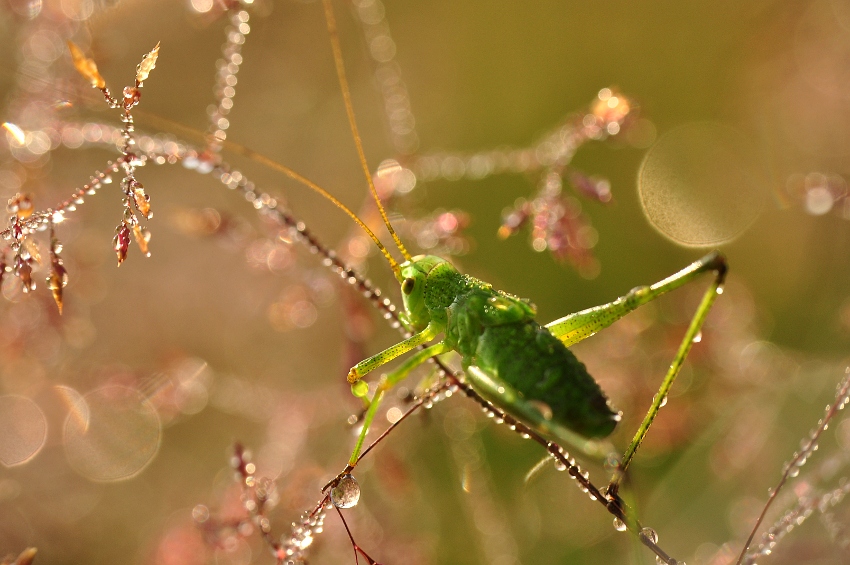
(713,262)
(576,327)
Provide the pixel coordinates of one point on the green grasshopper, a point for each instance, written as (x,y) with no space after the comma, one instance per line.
(519,365)
(508,358)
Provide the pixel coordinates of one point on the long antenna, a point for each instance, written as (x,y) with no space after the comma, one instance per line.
(349,109)
(272,164)
(170,125)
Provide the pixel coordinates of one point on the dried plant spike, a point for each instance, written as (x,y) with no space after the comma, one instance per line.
(86,67)
(142,236)
(23,270)
(142,200)
(147,65)
(16,132)
(121,242)
(25,558)
(21,205)
(31,247)
(611,106)
(56,280)
(58,277)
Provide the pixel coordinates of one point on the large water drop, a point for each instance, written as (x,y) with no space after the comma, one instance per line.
(346,493)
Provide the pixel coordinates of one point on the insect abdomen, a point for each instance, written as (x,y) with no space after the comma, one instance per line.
(530,359)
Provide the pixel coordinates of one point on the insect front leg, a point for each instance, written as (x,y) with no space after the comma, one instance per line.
(576,327)
(386,383)
(367,365)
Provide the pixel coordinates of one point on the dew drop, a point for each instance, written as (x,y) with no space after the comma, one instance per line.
(663,402)
(346,493)
(697,338)
(200,513)
(619,525)
(612,463)
(649,534)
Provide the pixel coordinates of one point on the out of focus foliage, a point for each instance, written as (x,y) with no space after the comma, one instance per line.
(118,418)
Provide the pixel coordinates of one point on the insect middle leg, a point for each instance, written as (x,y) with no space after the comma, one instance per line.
(576,327)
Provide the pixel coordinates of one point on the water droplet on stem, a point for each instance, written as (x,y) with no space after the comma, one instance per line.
(619,525)
(346,493)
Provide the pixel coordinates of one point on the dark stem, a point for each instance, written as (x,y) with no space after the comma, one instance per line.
(357,548)
(802,455)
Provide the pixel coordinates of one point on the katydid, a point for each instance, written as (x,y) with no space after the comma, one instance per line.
(520,366)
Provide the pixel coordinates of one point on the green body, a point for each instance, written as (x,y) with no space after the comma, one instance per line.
(505,353)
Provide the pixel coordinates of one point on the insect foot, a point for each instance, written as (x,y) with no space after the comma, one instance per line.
(353,377)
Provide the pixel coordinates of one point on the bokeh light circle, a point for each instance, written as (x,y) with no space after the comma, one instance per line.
(76,404)
(702,184)
(119,437)
(23,430)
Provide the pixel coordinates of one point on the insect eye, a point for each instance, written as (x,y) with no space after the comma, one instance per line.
(407,286)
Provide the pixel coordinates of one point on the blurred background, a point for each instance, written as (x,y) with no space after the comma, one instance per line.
(563,151)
